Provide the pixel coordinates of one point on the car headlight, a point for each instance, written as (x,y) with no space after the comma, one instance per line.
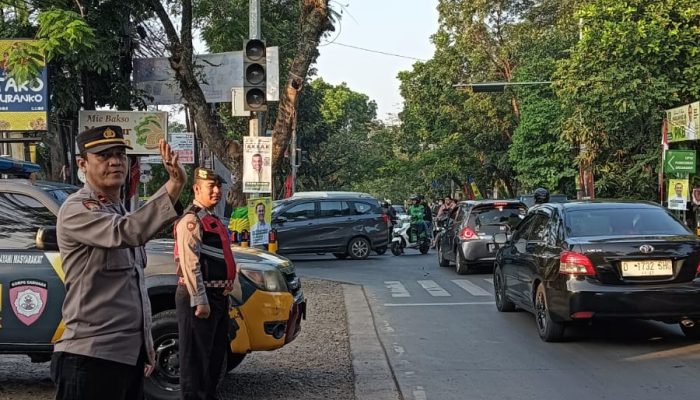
(270,280)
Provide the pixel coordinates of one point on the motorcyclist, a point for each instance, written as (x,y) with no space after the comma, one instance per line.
(390,212)
(541,196)
(416,212)
(448,205)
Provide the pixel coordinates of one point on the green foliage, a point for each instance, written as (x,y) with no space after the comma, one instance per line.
(635,59)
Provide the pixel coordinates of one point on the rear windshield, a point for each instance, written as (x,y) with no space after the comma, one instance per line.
(621,222)
(496,218)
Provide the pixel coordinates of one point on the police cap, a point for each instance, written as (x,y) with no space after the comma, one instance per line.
(101,138)
(206,174)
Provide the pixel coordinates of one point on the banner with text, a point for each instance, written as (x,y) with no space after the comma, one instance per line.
(257,164)
(23,105)
(683,122)
(142,129)
(182,144)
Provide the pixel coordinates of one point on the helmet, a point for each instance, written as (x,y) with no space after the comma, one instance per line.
(414,197)
(541,195)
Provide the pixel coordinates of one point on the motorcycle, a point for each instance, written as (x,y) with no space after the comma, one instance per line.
(405,237)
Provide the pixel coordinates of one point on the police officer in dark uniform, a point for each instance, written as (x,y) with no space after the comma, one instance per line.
(207,272)
(106,347)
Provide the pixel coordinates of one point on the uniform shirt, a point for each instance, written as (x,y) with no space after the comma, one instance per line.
(106,310)
(188,234)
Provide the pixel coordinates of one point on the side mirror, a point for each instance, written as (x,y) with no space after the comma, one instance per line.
(46,239)
(500,238)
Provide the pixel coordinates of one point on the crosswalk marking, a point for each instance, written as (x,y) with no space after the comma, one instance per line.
(470,287)
(397,289)
(434,289)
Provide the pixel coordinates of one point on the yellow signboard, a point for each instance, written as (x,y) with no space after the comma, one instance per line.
(23,105)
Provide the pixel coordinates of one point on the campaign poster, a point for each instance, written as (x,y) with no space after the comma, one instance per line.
(677,194)
(683,122)
(23,105)
(142,129)
(257,164)
(260,219)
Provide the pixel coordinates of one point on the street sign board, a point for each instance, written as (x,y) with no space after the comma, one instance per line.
(680,161)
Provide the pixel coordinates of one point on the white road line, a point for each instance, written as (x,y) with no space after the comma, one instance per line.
(472,303)
(434,289)
(470,287)
(397,289)
(419,393)
(489,280)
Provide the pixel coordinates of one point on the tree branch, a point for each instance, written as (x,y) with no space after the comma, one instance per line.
(165,20)
(186,30)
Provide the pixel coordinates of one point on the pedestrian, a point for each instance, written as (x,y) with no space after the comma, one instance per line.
(207,272)
(106,347)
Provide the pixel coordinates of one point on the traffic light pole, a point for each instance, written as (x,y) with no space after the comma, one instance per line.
(255,121)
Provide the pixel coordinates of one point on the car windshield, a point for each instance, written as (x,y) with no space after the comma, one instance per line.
(60,195)
(495,218)
(622,222)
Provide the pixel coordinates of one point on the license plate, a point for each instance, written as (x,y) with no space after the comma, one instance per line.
(647,268)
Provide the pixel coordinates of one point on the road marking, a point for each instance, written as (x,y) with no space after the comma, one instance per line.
(470,287)
(489,280)
(434,289)
(397,289)
(419,393)
(387,327)
(398,349)
(472,303)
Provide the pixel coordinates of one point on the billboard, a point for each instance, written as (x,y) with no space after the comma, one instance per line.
(142,129)
(23,105)
(257,164)
(259,219)
(683,122)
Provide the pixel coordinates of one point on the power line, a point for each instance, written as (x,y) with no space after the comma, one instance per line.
(376,51)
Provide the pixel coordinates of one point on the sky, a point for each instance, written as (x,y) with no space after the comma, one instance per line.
(400,27)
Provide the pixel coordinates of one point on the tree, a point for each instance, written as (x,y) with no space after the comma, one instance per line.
(316,20)
(635,59)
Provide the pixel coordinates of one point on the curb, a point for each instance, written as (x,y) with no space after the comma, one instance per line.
(374,379)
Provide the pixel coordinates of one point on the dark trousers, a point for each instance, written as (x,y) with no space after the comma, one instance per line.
(203,344)
(79,377)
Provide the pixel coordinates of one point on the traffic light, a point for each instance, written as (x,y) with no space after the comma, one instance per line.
(255,75)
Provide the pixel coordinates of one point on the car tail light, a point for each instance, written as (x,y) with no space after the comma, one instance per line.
(467,234)
(572,263)
(582,315)
(385,218)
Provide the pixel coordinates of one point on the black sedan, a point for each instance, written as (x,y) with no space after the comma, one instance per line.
(593,260)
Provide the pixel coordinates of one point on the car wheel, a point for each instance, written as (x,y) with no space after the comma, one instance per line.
(164,383)
(233,360)
(548,329)
(341,256)
(503,303)
(692,332)
(358,248)
(381,250)
(461,264)
(396,248)
(442,261)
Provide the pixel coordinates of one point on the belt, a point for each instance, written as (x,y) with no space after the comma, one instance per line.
(223,284)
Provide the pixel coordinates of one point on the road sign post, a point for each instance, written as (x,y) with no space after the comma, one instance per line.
(680,161)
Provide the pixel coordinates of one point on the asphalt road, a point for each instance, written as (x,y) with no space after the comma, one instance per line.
(446,340)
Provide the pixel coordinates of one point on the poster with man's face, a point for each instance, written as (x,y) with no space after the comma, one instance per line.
(677,194)
(257,164)
(259,218)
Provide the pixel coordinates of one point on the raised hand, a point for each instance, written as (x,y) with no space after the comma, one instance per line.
(170,161)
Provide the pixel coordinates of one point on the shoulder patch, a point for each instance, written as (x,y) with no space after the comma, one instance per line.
(91,204)
(191,225)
